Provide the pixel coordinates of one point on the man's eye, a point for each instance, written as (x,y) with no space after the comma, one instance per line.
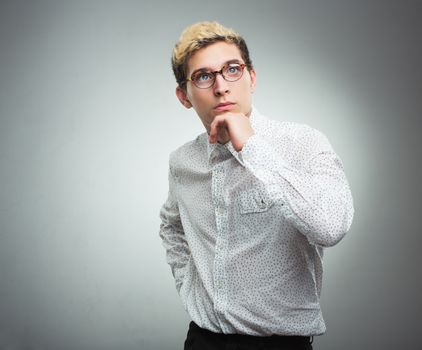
(203,77)
(233,69)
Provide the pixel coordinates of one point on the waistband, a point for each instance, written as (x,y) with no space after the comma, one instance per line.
(248,339)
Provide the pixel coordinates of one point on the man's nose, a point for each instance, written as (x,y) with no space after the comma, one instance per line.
(221,86)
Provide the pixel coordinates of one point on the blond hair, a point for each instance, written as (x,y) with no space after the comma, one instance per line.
(198,36)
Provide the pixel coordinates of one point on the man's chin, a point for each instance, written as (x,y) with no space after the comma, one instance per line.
(219,112)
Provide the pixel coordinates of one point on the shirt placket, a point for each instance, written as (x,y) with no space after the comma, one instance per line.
(220,209)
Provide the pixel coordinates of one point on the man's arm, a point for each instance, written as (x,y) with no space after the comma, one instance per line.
(172,234)
(316,198)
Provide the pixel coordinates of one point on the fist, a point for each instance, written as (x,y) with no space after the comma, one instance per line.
(235,127)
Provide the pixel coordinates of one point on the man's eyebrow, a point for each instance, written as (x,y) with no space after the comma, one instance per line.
(205,69)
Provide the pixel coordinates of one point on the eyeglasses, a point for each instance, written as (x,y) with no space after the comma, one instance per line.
(230,72)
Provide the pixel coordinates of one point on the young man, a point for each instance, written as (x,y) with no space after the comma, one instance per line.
(252,203)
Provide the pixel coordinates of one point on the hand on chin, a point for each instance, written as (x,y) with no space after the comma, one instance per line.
(223,135)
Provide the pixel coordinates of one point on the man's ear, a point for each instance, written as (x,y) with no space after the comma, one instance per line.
(181,95)
(252,73)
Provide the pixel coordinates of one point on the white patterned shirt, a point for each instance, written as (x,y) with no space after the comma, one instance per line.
(244,232)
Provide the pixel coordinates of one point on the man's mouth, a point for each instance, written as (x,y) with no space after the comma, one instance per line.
(224,106)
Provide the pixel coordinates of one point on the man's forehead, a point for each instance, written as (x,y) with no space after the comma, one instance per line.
(214,56)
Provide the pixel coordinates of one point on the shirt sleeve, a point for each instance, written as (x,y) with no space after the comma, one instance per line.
(172,234)
(315,197)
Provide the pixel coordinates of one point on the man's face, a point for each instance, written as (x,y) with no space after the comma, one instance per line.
(206,101)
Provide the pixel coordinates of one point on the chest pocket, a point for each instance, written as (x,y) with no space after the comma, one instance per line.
(255,200)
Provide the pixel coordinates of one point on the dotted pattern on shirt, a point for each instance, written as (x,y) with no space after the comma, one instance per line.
(255,223)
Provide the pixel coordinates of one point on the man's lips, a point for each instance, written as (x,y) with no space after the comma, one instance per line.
(225,106)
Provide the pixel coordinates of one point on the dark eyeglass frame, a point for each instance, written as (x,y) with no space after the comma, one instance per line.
(214,74)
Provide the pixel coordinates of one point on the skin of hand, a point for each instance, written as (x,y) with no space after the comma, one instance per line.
(231,126)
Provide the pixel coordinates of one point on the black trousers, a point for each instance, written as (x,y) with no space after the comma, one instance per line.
(203,339)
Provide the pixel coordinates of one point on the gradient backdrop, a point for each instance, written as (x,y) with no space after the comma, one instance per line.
(88,117)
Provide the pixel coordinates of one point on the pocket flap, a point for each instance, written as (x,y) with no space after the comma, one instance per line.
(254,200)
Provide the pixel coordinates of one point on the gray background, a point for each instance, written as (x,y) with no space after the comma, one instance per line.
(88,117)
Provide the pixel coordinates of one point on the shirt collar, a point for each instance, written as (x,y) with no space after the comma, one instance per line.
(214,148)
